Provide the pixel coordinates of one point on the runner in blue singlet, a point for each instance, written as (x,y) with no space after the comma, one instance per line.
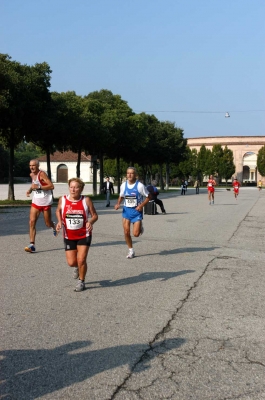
(132,192)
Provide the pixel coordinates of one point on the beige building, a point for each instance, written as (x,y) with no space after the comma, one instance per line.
(63,166)
(245,150)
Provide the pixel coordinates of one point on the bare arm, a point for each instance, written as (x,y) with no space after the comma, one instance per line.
(59,214)
(93,213)
(44,178)
(117,206)
(141,206)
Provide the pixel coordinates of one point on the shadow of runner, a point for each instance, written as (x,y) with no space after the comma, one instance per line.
(29,374)
(180,250)
(146,276)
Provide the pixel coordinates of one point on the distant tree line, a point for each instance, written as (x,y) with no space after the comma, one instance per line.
(218,161)
(100,124)
(34,120)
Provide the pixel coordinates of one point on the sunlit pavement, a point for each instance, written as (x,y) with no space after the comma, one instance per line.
(182,320)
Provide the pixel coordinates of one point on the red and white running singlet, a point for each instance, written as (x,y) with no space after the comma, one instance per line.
(236,186)
(74,216)
(210,185)
(41,198)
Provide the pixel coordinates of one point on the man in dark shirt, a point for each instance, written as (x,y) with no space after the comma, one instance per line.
(154,193)
(107,190)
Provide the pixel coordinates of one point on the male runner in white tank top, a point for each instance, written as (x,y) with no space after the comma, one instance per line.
(41,202)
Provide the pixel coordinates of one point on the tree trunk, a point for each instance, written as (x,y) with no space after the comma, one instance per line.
(167,176)
(11,193)
(78,163)
(118,174)
(101,170)
(94,160)
(48,155)
(161,177)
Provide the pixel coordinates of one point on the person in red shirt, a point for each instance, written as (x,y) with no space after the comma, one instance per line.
(210,186)
(236,186)
(77,215)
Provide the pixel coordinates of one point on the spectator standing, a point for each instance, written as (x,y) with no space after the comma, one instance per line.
(183,187)
(197,186)
(107,190)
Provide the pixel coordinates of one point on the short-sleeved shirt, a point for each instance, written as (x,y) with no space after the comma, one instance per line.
(133,196)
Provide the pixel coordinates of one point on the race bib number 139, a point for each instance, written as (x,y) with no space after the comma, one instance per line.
(74,221)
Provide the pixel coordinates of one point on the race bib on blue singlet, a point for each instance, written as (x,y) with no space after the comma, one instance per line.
(130,201)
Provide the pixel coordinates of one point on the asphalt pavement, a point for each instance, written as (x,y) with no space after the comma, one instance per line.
(184,319)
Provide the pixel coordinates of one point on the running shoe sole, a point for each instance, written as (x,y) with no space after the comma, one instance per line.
(30,250)
(130,255)
(80,287)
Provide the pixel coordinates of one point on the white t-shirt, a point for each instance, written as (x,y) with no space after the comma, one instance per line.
(140,187)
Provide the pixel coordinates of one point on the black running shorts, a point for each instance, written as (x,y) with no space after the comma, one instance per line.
(72,244)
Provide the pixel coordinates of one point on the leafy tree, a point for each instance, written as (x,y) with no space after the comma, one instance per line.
(23,89)
(23,154)
(227,164)
(110,169)
(189,167)
(114,122)
(4,163)
(261,161)
(217,159)
(204,162)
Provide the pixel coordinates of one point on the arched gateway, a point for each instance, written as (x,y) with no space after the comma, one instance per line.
(245,150)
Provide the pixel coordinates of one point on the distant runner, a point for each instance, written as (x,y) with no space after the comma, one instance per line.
(210,186)
(236,186)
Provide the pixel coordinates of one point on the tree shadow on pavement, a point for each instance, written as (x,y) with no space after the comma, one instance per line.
(144,277)
(29,374)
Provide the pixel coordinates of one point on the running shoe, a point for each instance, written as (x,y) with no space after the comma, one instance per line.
(164,212)
(76,273)
(55,233)
(131,254)
(30,249)
(80,286)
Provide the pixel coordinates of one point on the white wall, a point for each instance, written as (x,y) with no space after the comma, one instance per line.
(85,171)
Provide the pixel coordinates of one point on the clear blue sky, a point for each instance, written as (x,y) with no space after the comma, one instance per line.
(163,57)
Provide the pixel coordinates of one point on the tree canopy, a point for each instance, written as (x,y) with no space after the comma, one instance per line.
(261,161)
(24,94)
(101,124)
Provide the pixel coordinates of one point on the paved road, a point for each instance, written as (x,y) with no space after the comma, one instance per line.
(183,320)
